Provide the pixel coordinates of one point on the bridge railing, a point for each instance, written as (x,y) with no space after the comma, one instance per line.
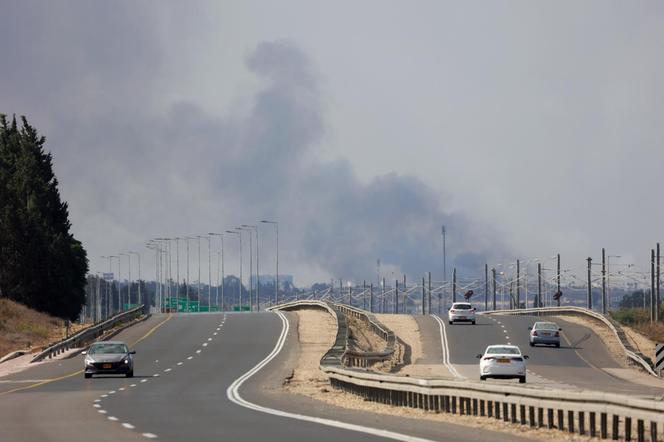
(88,334)
(615,328)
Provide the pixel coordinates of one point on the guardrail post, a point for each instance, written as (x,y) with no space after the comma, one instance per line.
(454,404)
(531,416)
(482,404)
(640,433)
(549,418)
(447,404)
(462,403)
(603,430)
(513,413)
(496,408)
(522,414)
(615,430)
(561,420)
(653,431)
(540,417)
(570,421)
(591,425)
(474,407)
(582,423)
(628,428)
(505,408)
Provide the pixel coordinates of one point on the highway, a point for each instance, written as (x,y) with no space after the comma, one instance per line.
(184,367)
(582,361)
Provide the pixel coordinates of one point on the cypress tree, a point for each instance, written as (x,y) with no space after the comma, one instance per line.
(42,265)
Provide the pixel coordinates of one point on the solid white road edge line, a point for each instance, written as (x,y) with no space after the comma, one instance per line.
(233,394)
(446,349)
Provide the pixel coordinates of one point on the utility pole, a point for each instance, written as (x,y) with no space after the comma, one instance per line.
(423,298)
(590,288)
(511,295)
(493,276)
(187,287)
(405,295)
(518,284)
(257,291)
(558,279)
(371,299)
(454,281)
(396,297)
(444,256)
(382,295)
(429,292)
(350,294)
(657,298)
(539,285)
(603,281)
(364,294)
(653,307)
(486,286)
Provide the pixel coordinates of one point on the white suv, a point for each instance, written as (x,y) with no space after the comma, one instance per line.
(461,312)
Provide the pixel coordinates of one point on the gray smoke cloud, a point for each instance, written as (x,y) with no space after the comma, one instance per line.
(134,165)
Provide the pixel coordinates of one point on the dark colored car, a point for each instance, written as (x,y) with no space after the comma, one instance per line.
(109,357)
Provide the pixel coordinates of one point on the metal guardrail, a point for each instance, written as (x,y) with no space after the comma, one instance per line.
(340,353)
(88,334)
(583,412)
(594,414)
(630,352)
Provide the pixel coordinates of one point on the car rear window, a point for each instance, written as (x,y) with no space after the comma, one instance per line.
(462,306)
(502,351)
(546,326)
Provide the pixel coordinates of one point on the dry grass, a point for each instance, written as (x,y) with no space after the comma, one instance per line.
(23,328)
(655,332)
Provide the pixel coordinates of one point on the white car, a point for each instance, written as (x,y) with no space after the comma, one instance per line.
(461,312)
(503,362)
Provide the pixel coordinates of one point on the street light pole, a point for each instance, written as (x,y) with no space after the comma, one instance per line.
(276,285)
(258,277)
(251,264)
(239,236)
(139,275)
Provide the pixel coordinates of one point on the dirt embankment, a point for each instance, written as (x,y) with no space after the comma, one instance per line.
(22,328)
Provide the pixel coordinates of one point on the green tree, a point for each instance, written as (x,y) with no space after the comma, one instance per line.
(41,264)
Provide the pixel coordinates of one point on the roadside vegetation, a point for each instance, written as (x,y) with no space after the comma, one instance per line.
(22,328)
(633,315)
(42,265)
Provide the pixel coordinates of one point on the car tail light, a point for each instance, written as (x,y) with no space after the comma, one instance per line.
(452,310)
(534,333)
(557,335)
(488,358)
(517,359)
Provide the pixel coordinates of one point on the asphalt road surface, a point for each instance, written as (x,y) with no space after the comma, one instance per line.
(582,361)
(184,367)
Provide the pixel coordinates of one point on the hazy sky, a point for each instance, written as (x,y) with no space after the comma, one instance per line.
(528,128)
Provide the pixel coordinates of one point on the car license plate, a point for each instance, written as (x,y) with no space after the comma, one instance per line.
(463,317)
(106,366)
(546,334)
(503,361)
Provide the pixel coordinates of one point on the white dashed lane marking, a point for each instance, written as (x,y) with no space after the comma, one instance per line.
(190,358)
(97,406)
(128,426)
(167,370)
(179,363)
(204,344)
(101,411)
(198,351)
(143,380)
(150,435)
(112,418)
(104,395)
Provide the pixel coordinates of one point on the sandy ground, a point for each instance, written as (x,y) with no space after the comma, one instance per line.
(317,331)
(408,331)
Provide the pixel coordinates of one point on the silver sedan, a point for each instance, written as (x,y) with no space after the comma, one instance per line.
(546,333)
